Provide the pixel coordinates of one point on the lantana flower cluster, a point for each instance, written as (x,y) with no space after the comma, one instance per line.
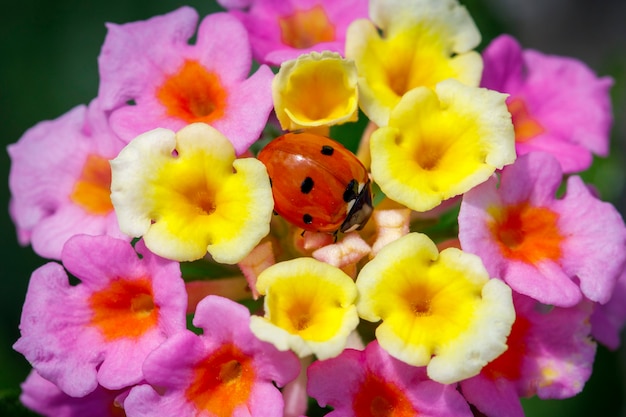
(174,289)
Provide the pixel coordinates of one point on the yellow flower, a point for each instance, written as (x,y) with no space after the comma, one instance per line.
(309,307)
(316,89)
(423,42)
(441,143)
(186,194)
(439,310)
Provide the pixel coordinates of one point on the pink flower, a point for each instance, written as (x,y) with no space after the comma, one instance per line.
(100,331)
(371,382)
(554,250)
(558,104)
(150,76)
(45,398)
(226,371)
(282,30)
(608,320)
(550,355)
(60,180)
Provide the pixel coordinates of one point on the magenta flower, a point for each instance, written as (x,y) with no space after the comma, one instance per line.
(226,371)
(550,355)
(547,93)
(100,331)
(282,30)
(371,383)
(608,320)
(150,76)
(60,180)
(45,398)
(554,250)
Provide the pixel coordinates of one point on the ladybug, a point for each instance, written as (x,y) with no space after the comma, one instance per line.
(318,184)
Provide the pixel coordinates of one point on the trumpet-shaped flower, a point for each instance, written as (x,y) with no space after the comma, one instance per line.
(440,143)
(546,94)
(438,310)
(60,180)
(553,250)
(281,30)
(309,307)
(550,355)
(224,372)
(151,76)
(372,383)
(100,331)
(422,43)
(186,194)
(315,90)
(43,397)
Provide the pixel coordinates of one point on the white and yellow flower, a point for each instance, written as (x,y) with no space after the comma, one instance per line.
(309,307)
(187,194)
(410,44)
(316,89)
(440,143)
(439,310)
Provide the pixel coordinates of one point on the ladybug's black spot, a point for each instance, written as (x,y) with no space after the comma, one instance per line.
(327,150)
(307,219)
(351,191)
(307,185)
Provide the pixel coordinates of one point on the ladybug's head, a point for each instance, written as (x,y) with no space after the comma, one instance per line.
(360,212)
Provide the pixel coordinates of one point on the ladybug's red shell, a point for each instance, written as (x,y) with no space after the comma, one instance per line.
(318,184)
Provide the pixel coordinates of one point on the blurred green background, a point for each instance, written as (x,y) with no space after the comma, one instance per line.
(48,52)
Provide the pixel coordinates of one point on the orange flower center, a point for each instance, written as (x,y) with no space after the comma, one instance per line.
(305,28)
(222,381)
(528,234)
(378,398)
(526,127)
(194,94)
(125,309)
(509,364)
(92,191)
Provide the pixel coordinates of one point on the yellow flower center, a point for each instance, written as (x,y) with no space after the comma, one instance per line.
(432,306)
(194,94)
(306,314)
(305,28)
(419,60)
(320,90)
(92,191)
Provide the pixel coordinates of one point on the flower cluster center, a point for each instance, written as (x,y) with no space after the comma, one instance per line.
(524,124)
(305,28)
(222,381)
(378,398)
(124,309)
(194,94)
(528,233)
(92,191)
